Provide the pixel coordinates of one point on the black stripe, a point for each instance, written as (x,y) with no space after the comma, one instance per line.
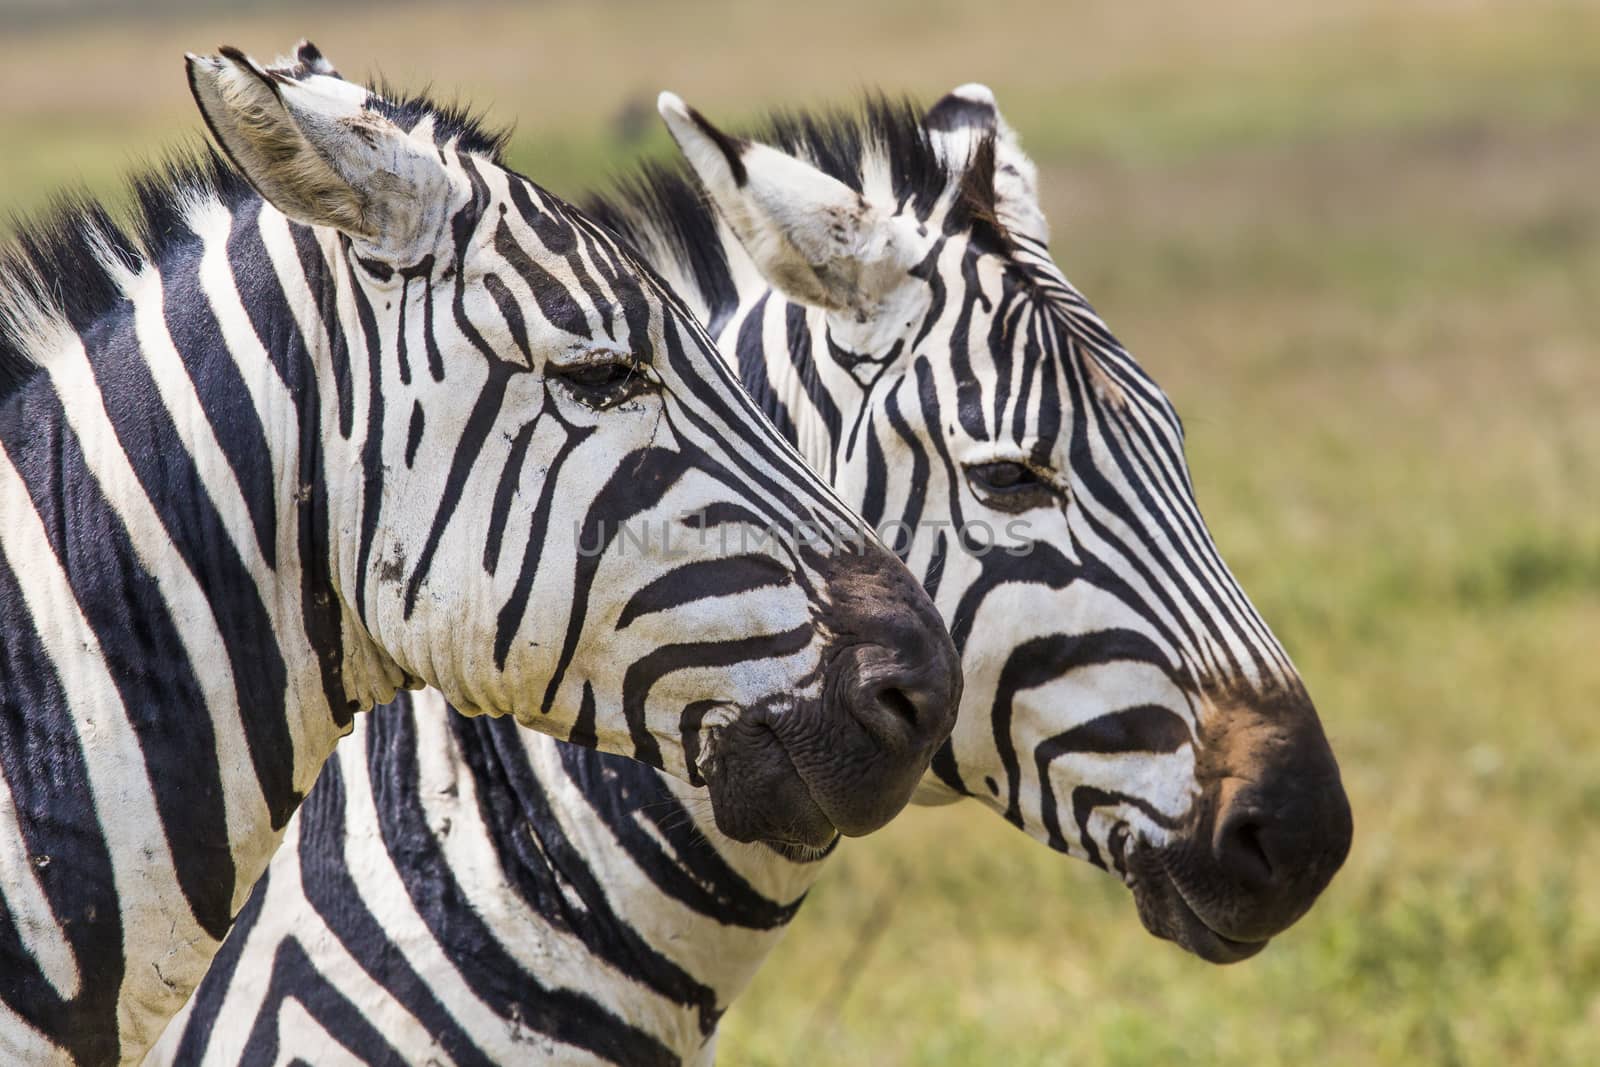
(491,395)
(414,433)
(474,435)
(223,396)
(555,302)
(928,394)
(873,499)
(295,977)
(549,871)
(928,272)
(621,792)
(325,292)
(511,313)
(510,481)
(583,732)
(1086,798)
(1013,312)
(561,238)
(969,394)
(799,335)
(175,491)
(1050,405)
(702,580)
(643,674)
(400,334)
(1146,728)
(510,618)
(1044,566)
(213,989)
(1043,659)
(917,483)
(750,352)
(1031,358)
(637,484)
(430,339)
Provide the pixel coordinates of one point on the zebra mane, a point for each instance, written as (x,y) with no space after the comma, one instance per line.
(659,205)
(66,269)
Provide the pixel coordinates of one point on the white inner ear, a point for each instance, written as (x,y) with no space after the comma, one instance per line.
(810,235)
(257,129)
(812,230)
(318,154)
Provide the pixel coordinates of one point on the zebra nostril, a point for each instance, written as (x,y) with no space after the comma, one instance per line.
(892,717)
(896,701)
(1242,851)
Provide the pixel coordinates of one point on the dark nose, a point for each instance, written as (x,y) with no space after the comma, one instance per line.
(894,685)
(1279,836)
(904,707)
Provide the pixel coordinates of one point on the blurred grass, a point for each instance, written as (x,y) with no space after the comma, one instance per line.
(1359,243)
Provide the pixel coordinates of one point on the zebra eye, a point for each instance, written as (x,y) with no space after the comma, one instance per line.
(1010,486)
(603,385)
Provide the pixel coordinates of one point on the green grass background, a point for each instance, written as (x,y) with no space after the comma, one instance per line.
(1359,244)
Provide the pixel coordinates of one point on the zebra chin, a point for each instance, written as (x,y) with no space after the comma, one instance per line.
(1167,913)
(1270,828)
(757,792)
(798,772)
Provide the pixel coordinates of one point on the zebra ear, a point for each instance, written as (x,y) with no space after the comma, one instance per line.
(814,238)
(307,62)
(310,144)
(959,123)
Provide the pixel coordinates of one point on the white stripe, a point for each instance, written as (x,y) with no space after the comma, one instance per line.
(299,1030)
(21,1043)
(36,921)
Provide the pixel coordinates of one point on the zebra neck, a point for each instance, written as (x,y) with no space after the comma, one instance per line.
(324,341)
(632,864)
(166,603)
(190,411)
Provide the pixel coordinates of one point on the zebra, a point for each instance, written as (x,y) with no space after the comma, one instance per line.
(1124,704)
(358,408)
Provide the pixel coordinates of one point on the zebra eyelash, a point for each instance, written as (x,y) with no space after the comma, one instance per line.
(604,383)
(1012,486)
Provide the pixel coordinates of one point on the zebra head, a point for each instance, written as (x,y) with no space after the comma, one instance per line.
(547,496)
(1124,701)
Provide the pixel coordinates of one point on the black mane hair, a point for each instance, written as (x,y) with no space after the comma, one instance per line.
(62,265)
(452,120)
(663,200)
